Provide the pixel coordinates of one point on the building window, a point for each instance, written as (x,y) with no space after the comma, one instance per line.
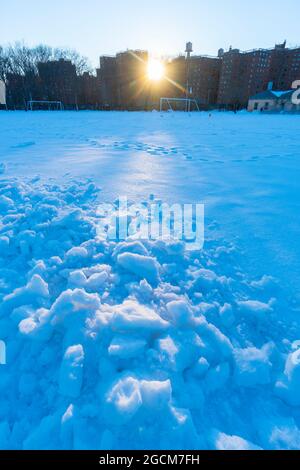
(256,106)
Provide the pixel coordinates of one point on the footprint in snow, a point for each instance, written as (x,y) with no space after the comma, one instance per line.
(23,145)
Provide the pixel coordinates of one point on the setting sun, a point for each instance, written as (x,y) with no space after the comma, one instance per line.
(155,70)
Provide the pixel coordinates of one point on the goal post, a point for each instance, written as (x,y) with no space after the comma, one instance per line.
(188,104)
(44,104)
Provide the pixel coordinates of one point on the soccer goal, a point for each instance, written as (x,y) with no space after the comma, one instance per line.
(178,104)
(34,105)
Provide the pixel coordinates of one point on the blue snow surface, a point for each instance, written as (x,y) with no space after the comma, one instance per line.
(144,344)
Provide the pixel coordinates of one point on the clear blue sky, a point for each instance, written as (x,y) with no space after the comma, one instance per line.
(96,27)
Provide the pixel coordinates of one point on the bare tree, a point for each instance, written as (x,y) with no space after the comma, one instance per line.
(22,62)
(21,59)
(4,64)
(81,63)
(42,53)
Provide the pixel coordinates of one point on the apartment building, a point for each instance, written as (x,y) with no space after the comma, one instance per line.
(244,74)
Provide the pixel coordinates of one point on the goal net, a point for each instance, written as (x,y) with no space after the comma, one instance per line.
(178,104)
(45,105)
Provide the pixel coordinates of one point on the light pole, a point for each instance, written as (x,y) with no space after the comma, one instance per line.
(188,50)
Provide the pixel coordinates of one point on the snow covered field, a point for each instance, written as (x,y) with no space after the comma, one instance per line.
(144,344)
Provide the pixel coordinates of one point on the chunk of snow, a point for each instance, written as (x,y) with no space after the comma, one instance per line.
(77,279)
(218,346)
(201,367)
(168,350)
(71,372)
(126,348)
(74,303)
(255,308)
(35,290)
(227,315)
(225,442)
(180,313)
(28,326)
(130,247)
(38,286)
(4,244)
(205,280)
(97,281)
(156,395)
(288,387)
(125,399)
(76,256)
(252,367)
(5,204)
(132,316)
(144,267)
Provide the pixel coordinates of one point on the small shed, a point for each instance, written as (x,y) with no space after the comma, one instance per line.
(271,100)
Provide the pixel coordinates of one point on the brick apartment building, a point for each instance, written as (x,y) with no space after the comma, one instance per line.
(107,74)
(204,77)
(284,67)
(131,77)
(18,90)
(58,81)
(244,74)
(89,91)
(226,80)
(124,80)
(176,73)
(21,88)
(131,69)
(204,74)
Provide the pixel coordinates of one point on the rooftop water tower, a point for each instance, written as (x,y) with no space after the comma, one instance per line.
(189,49)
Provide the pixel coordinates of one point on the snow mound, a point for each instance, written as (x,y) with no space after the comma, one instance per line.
(134,345)
(288,387)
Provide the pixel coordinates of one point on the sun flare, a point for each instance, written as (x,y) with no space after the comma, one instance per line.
(155,70)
